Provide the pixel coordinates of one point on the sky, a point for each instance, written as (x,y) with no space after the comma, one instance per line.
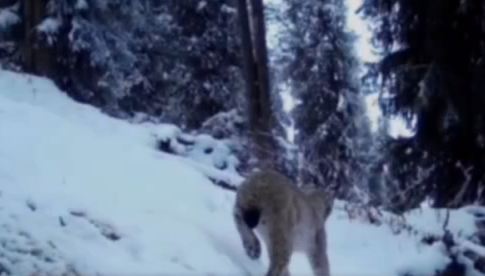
(359,26)
(366,53)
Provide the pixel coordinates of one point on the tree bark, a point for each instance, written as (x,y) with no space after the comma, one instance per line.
(7,3)
(255,62)
(36,56)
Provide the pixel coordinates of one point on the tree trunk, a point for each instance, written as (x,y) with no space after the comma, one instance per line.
(36,56)
(7,3)
(255,61)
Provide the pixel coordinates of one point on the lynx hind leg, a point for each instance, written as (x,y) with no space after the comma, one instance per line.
(280,247)
(323,200)
(249,239)
(318,254)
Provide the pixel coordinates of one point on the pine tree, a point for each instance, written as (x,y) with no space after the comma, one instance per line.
(205,73)
(433,73)
(176,61)
(321,72)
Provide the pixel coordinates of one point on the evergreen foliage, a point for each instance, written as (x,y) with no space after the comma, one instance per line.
(321,71)
(433,72)
(176,61)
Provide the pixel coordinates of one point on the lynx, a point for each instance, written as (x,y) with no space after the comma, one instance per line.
(288,219)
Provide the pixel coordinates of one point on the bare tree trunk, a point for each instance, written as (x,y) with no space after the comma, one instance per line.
(247,53)
(263,117)
(36,57)
(253,34)
(7,3)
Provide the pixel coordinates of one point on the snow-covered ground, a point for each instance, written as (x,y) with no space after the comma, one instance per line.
(83,192)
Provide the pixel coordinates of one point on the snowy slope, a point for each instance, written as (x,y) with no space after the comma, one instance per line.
(83,192)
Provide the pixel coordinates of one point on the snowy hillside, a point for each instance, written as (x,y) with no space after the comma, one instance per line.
(84,193)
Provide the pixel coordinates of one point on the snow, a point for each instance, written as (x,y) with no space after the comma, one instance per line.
(82,5)
(8,18)
(368,250)
(49,25)
(201,5)
(355,23)
(86,193)
(431,221)
(65,157)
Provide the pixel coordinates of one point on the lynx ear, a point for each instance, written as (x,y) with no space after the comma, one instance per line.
(251,217)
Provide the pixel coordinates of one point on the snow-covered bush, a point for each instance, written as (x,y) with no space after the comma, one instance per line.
(225,125)
(201,148)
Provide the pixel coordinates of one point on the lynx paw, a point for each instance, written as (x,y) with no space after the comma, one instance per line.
(253,248)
